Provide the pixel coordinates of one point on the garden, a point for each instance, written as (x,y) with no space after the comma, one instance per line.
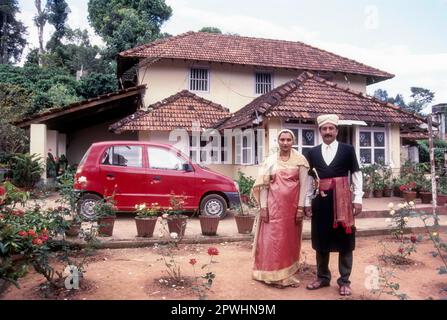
(49,251)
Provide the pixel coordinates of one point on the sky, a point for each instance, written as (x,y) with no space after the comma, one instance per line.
(407,38)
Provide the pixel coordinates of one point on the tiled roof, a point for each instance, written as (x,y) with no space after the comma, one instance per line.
(309,96)
(176,112)
(202,46)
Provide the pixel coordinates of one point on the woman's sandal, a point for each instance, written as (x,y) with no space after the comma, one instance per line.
(317,284)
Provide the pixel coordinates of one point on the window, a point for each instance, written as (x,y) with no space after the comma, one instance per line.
(198,79)
(372,146)
(125,156)
(164,159)
(305,139)
(263,82)
(245,151)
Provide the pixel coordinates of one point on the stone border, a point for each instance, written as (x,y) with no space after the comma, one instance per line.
(142,243)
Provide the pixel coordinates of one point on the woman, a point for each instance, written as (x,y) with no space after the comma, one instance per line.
(280,191)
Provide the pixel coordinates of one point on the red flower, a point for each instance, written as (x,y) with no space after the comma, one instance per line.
(192,261)
(18,213)
(44,238)
(403,188)
(44,231)
(2,191)
(37,242)
(413,239)
(401,250)
(32,233)
(213,251)
(23,233)
(1,216)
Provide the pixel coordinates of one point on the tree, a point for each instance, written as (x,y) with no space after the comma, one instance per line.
(124,24)
(12,32)
(398,101)
(40,20)
(381,94)
(15,101)
(211,30)
(421,98)
(96,84)
(58,11)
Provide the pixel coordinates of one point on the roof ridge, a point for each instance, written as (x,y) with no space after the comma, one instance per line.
(156,42)
(366,96)
(187,93)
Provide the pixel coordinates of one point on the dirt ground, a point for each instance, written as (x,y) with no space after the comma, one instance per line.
(139,273)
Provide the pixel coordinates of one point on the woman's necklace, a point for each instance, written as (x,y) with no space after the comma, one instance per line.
(284,158)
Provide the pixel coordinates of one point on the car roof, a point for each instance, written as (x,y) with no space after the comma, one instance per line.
(132,142)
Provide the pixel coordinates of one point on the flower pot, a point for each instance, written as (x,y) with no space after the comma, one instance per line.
(73,230)
(106,226)
(378,193)
(442,199)
(177,223)
(209,225)
(409,195)
(244,223)
(366,194)
(397,192)
(426,197)
(145,226)
(387,192)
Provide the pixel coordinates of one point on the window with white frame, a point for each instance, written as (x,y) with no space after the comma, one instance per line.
(199,79)
(245,147)
(306,138)
(372,145)
(263,82)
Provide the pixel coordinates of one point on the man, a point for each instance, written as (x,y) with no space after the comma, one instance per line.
(332,208)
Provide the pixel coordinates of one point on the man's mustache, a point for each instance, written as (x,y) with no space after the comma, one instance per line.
(328,135)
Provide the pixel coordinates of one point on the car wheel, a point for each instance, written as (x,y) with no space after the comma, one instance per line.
(213,205)
(86,204)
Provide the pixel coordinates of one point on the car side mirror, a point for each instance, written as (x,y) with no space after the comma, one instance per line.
(187,167)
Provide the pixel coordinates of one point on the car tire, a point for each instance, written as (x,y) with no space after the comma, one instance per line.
(213,205)
(85,205)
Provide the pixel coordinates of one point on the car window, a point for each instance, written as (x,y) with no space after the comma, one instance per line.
(160,158)
(124,156)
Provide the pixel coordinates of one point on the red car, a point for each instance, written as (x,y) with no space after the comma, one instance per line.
(142,172)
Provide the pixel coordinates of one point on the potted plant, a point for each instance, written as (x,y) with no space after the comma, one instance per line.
(209,224)
(146,219)
(367,181)
(408,191)
(425,190)
(397,182)
(388,184)
(175,216)
(105,212)
(442,191)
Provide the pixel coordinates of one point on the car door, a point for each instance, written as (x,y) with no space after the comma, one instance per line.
(167,176)
(123,173)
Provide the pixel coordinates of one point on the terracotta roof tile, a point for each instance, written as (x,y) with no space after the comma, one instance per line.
(202,46)
(309,96)
(176,112)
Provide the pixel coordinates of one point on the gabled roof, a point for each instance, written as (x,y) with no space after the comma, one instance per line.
(309,96)
(179,111)
(202,46)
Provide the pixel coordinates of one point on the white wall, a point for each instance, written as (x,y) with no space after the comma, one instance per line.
(232,86)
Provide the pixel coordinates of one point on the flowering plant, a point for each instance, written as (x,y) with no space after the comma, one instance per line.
(176,205)
(105,207)
(144,211)
(203,283)
(410,186)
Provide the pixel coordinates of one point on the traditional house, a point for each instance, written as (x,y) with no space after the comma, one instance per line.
(199,78)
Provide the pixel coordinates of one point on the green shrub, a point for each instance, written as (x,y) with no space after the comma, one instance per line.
(26,170)
(245,183)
